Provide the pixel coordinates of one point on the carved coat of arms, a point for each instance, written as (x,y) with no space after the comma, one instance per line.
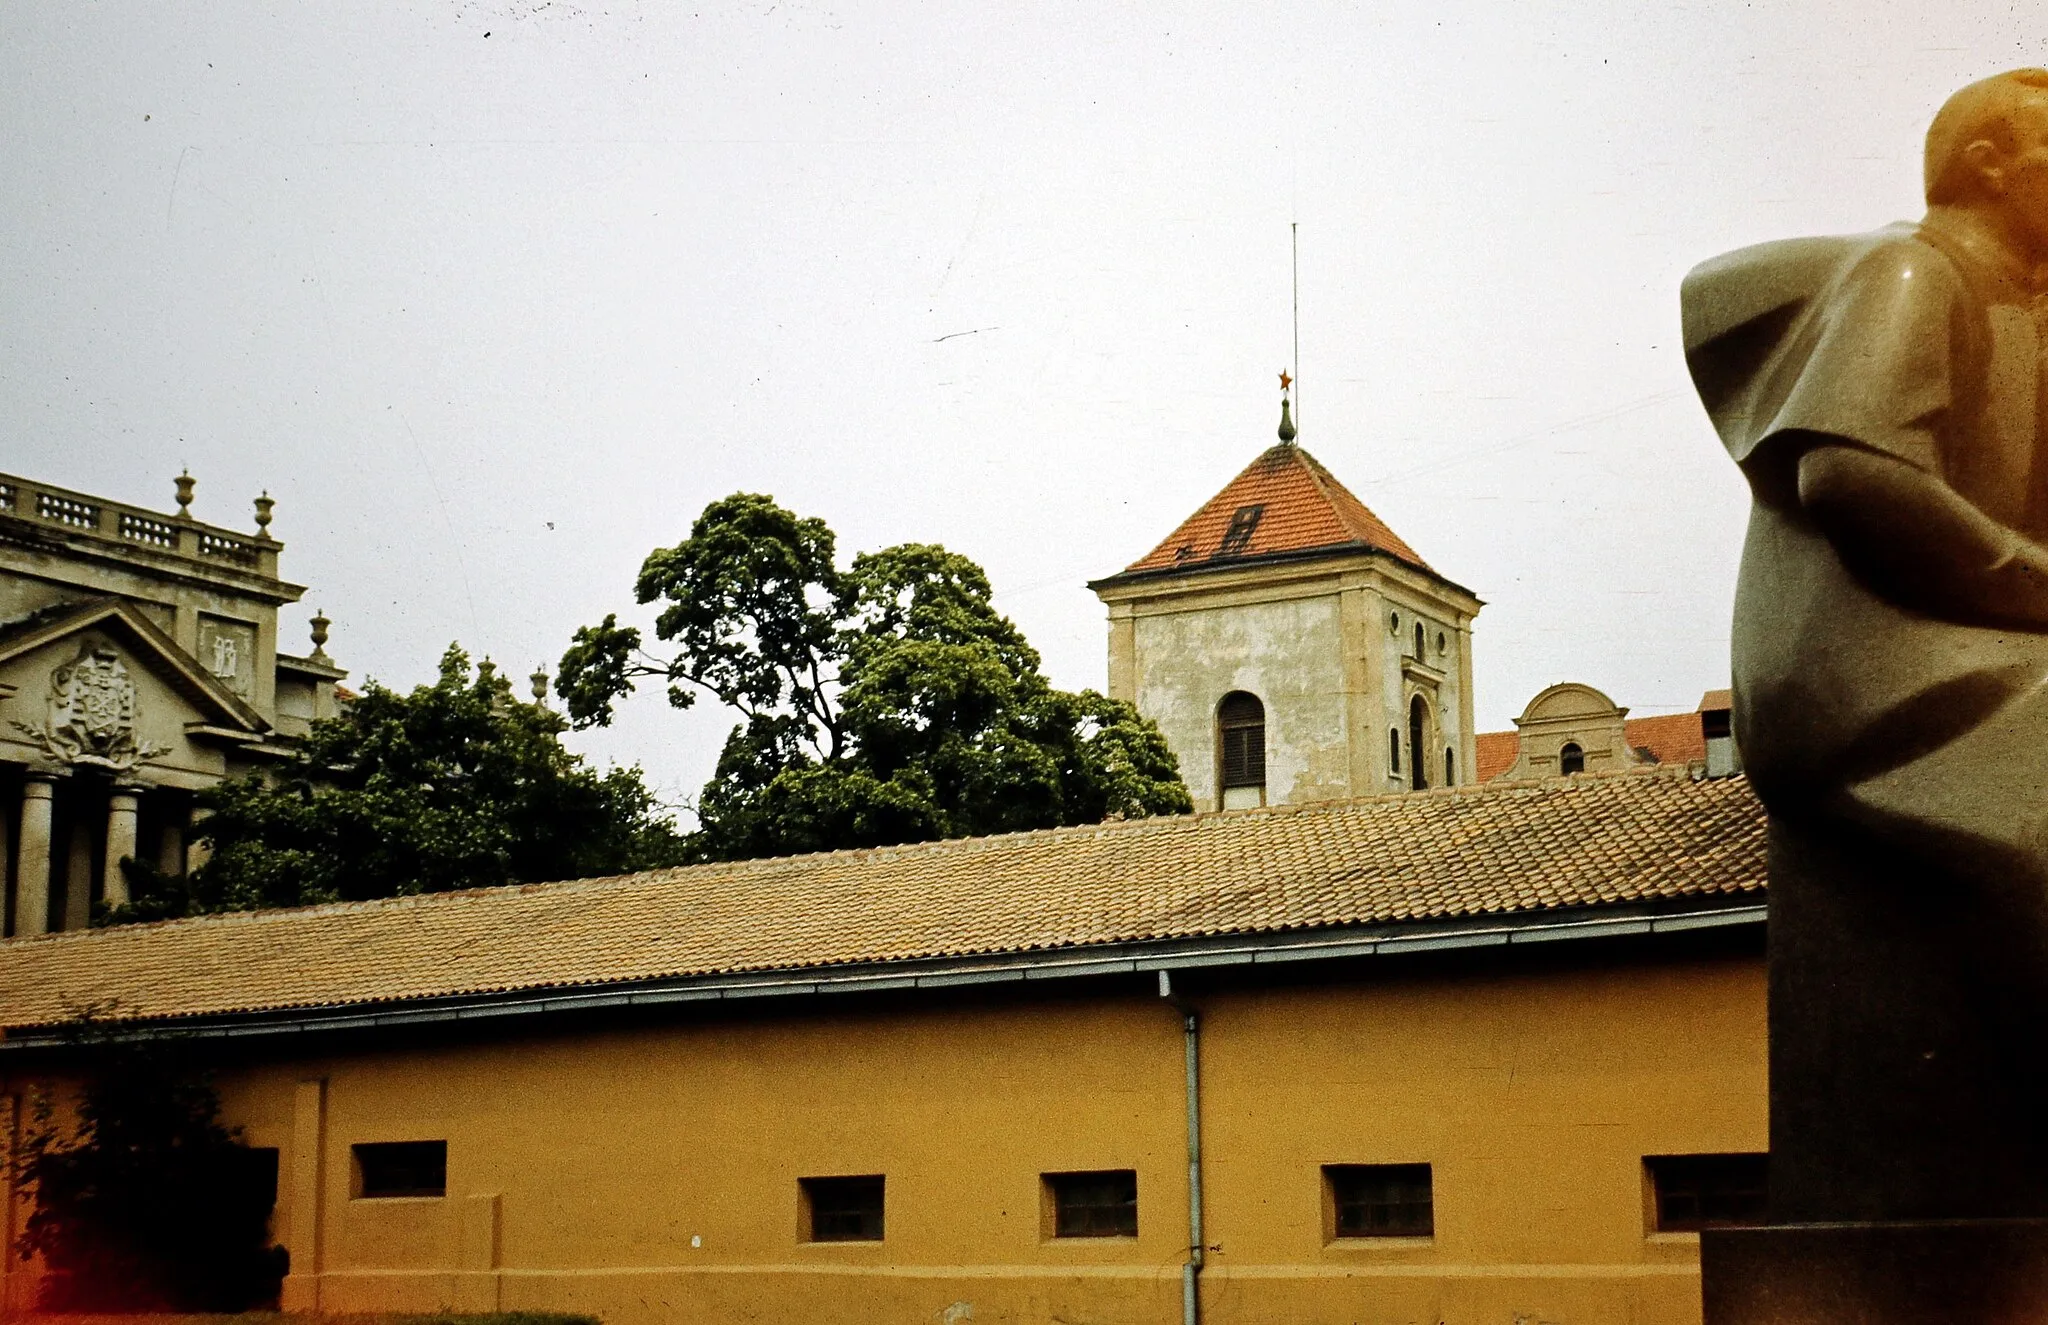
(92,713)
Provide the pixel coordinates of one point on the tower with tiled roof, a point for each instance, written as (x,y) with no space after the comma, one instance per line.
(1292,647)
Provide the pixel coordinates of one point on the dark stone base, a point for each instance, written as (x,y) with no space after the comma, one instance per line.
(1945,1272)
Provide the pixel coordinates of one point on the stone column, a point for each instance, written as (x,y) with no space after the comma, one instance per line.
(32,858)
(121,808)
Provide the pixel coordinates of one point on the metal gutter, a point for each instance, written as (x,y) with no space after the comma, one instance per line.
(1231,951)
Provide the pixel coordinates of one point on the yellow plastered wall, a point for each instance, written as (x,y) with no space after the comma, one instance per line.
(650,1174)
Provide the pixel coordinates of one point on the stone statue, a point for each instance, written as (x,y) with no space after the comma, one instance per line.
(1884,395)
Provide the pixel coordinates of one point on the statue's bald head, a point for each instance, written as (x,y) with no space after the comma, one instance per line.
(1982,112)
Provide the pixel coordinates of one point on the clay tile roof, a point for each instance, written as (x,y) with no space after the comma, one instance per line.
(1672,738)
(1303,508)
(1497,753)
(1635,837)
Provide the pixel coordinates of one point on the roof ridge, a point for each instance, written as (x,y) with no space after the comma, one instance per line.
(1635,835)
(761,865)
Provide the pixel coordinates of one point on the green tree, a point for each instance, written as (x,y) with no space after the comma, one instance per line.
(143,1200)
(887,702)
(456,785)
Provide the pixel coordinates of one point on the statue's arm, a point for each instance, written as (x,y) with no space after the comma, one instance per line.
(1912,539)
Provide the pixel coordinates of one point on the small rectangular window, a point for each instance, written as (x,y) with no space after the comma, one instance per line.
(1094,1205)
(1380,1200)
(1243,522)
(843,1209)
(401,1168)
(1693,1192)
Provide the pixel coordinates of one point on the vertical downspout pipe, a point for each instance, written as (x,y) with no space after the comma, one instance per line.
(1191,1270)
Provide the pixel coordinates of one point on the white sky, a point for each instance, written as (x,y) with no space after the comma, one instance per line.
(494,297)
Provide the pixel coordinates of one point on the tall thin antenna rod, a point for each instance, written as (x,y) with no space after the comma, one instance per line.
(1294,238)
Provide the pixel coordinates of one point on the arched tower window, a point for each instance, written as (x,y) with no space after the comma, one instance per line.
(1571,759)
(1241,736)
(1418,642)
(1418,722)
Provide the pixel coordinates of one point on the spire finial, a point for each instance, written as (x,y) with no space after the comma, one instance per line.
(1286,409)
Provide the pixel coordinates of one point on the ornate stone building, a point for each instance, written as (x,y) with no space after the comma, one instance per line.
(1292,647)
(139,663)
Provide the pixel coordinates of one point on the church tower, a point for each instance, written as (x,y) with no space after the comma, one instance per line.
(1292,647)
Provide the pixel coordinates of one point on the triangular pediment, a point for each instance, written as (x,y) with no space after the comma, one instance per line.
(142,642)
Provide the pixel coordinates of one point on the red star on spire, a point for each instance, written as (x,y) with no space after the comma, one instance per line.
(1285,381)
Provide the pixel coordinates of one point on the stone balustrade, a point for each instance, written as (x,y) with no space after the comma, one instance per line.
(76,514)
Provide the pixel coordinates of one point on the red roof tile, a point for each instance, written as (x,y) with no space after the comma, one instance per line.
(1675,738)
(1302,508)
(1672,738)
(1497,752)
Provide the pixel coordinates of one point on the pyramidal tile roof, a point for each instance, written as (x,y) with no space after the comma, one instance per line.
(1640,837)
(1284,503)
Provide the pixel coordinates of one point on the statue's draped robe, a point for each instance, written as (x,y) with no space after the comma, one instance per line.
(1903,754)
(1931,734)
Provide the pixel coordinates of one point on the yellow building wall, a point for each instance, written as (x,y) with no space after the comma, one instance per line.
(650,1174)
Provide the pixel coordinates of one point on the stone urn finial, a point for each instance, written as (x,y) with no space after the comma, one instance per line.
(263,505)
(320,624)
(540,684)
(185,485)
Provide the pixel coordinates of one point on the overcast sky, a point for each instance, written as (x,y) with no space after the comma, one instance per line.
(493,298)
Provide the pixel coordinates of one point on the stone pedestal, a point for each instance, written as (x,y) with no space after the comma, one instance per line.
(1937,1272)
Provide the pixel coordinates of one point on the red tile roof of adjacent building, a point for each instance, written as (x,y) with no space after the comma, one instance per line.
(1301,508)
(1639,837)
(1674,738)
(1670,738)
(1497,753)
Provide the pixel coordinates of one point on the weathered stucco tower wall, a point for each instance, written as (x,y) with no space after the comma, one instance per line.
(1292,648)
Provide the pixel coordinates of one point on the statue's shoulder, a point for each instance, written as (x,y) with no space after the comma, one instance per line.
(1775,280)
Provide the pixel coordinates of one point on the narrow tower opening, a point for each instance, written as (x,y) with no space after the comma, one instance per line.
(1241,743)
(1418,723)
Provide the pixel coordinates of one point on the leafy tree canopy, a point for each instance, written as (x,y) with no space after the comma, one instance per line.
(143,1201)
(456,785)
(887,702)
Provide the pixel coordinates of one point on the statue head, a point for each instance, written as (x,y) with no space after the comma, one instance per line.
(1987,152)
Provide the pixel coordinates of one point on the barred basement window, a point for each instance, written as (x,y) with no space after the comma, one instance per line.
(1380,1200)
(843,1209)
(1693,1192)
(1241,735)
(401,1168)
(1094,1205)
